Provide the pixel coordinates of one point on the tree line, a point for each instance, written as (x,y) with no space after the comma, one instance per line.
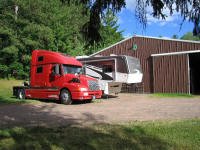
(52,25)
(74,27)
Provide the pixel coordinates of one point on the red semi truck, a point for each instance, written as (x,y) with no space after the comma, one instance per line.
(57,76)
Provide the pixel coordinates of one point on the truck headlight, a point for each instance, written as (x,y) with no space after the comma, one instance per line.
(85,94)
(82,89)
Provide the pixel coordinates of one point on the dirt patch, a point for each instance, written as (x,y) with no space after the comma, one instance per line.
(125,107)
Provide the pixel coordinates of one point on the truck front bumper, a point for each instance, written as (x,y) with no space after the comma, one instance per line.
(86,95)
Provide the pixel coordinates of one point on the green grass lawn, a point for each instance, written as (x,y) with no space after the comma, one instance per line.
(6,92)
(173,95)
(151,135)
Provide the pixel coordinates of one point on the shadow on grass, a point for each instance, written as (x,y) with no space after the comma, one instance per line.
(46,100)
(101,137)
(10,100)
(13,100)
(44,128)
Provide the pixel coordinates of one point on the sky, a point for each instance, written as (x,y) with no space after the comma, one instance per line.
(165,28)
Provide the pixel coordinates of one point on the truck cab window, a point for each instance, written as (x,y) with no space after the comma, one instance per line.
(107,68)
(39,70)
(40,58)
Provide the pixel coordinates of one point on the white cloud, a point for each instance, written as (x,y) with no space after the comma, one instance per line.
(169,18)
(151,19)
(131,5)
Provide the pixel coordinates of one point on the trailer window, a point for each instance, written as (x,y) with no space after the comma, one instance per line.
(134,64)
(39,70)
(107,68)
(40,58)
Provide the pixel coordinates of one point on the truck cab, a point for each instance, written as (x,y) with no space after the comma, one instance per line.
(59,76)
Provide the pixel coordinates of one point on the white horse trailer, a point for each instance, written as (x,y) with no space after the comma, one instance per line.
(112,71)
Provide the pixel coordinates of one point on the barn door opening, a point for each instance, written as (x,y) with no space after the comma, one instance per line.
(194,64)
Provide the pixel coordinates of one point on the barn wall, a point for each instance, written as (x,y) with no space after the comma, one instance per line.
(145,47)
(170,74)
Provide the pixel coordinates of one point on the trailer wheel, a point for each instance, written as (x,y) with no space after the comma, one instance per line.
(21,94)
(65,97)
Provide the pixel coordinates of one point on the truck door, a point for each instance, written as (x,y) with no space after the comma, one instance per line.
(39,88)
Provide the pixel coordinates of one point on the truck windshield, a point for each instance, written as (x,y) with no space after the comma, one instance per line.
(70,69)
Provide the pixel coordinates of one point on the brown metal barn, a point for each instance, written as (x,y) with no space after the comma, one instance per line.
(169,65)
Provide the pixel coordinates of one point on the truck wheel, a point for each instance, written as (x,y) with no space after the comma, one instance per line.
(65,97)
(89,100)
(21,94)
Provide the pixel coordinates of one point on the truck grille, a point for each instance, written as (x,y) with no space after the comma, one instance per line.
(93,85)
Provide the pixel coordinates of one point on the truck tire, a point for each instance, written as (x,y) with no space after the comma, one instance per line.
(89,100)
(21,94)
(65,97)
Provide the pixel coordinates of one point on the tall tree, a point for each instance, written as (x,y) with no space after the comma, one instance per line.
(187,8)
(41,24)
(48,25)
(97,9)
(109,32)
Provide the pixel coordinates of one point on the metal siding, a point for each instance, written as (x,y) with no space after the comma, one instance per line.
(148,46)
(170,74)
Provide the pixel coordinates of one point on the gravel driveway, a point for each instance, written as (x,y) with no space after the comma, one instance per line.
(123,108)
